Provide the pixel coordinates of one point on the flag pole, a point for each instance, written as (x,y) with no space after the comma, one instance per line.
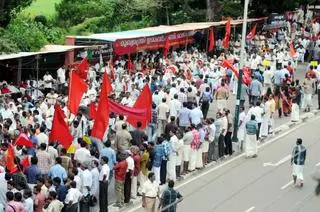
(243,40)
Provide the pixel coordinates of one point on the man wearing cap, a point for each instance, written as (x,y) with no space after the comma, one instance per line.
(298,158)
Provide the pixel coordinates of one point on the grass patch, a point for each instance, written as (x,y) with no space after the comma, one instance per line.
(41,7)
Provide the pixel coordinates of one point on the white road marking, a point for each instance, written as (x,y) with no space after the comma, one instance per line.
(250,209)
(283,160)
(318,164)
(287,185)
(231,160)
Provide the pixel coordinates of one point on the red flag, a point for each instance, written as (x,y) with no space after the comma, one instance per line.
(77,88)
(211,40)
(144,101)
(92,110)
(246,77)
(166,47)
(102,116)
(10,159)
(25,163)
(292,50)
(112,75)
(23,140)
(226,39)
(60,130)
(108,83)
(83,68)
(252,33)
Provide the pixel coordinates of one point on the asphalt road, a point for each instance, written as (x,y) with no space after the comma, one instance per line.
(246,185)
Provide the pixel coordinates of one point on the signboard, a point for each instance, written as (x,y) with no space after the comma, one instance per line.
(102,47)
(275,21)
(128,46)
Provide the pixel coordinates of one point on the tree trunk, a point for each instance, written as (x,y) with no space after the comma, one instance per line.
(209,10)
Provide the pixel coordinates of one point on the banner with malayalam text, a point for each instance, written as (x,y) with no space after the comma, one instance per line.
(128,46)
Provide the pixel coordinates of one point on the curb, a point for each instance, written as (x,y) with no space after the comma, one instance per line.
(303,118)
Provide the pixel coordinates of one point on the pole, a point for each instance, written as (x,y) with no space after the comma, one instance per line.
(37,69)
(243,41)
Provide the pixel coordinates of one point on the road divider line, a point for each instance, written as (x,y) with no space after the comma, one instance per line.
(287,185)
(283,160)
(250,209)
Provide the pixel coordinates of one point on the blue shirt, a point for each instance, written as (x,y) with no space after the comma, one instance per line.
(158,154)
(278,77)
(31,151)
(61,192)
(166,148)
(32,173)
(58,171)
(184,117)
(255,88)
(110,154)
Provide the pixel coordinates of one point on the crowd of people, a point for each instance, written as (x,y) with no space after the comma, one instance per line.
(192,125)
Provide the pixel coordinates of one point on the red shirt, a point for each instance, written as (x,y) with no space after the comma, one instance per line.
(137,167)
(120,170)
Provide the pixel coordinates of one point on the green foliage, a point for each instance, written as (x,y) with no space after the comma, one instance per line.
(232,9)
(74,12)
(10,7)
(95,24)
(29,35)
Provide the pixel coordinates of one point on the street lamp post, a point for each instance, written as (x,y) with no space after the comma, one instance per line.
(243,42)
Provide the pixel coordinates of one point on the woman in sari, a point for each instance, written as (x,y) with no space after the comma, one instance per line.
(278,101)
(286,101)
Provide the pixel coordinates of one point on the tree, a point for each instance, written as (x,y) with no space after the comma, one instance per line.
(10,7)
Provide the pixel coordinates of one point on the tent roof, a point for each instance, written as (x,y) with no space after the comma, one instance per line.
(159,30)
(47,49)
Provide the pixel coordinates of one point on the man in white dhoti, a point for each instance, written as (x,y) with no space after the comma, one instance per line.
(241,129)
(171,165)
(297,161)
(251,138)
(295,111)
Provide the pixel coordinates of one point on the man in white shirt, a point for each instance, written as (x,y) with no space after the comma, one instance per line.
(257,111)
(103,184)
(86,179)
(175,106)
(52,97)
(129,174)
(267,76)
(48,80)
(163,113)
(196,115)
(82,154)
(61,75)
(150,191)
(213,145)
(73,197)
(95,182)
(42,137)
